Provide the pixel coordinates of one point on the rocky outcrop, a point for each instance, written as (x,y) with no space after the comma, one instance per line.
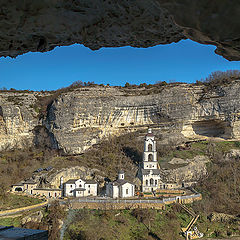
(76,172)
(35,217)
(43,25)
(222,217)
(78,119)
(19,120)
(193,170)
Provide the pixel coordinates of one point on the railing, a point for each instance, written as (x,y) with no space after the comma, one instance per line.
(172,199)
(117,200)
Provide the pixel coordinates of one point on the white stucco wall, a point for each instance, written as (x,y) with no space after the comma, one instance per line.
(147,187)
(78,193)
(150,165)
(91,189)
(127,190)
(115,192)
(68,189)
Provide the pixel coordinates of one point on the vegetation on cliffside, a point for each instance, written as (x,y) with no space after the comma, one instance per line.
(220,188)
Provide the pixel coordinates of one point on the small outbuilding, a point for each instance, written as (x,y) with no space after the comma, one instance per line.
(48,192)
(25,186)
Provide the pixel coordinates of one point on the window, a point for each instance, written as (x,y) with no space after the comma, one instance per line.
(89,186)
(149,147)
(49,194)
(127,191)
(151,181)
(155,182)
(80,185)
(150,157)
(88,191)
(146,182)
(70,186)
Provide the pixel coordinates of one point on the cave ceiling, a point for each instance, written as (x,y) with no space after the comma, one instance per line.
(40,26)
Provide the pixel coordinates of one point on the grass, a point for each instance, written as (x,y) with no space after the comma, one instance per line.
(11,201)
(11,221)
(147,224)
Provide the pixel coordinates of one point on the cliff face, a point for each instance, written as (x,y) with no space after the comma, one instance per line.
(78,119)
(17,119)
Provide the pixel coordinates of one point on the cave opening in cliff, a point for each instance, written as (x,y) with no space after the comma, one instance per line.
(210,128)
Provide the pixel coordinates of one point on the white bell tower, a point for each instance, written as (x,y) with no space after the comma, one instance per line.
(150,152)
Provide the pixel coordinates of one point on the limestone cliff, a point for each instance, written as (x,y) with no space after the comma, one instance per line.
(78,119)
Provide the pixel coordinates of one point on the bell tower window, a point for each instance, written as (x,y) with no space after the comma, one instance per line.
(150,147)
(150,157)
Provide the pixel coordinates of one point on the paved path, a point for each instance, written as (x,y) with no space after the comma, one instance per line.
(23,209)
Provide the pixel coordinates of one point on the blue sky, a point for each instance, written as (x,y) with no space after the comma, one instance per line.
(186,61)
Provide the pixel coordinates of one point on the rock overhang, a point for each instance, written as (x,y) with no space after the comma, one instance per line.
(40,26)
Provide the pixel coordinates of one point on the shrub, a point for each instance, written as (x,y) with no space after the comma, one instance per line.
(219,78)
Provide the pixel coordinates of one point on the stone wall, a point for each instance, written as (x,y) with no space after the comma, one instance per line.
(112,206)
(132,204)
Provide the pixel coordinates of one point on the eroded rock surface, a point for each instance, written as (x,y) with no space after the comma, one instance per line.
(78,119)
(194,170)
(43,25)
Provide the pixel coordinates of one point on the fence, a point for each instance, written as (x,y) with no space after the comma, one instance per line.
(91,203)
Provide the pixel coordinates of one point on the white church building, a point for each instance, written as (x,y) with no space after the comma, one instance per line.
(149,168)
(120,188)
(80,188)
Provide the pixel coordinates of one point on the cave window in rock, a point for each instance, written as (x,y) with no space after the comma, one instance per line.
(150,147)
(210,128)
(150,157)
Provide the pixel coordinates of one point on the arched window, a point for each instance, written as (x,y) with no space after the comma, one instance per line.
(150,157)
(127,191)
(155,182)
(18,189)
(150,147)
(151,181)
(146,182)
